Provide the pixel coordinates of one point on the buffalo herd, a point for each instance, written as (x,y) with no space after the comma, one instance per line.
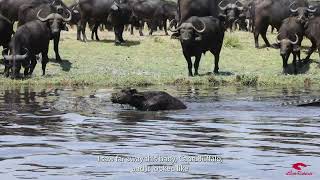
(200,26)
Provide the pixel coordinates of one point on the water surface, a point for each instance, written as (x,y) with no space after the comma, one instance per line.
(62,133)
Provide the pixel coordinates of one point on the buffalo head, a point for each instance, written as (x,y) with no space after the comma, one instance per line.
(189,32)
(302,13)
(231,10)
(125,96)
(286,44)
(55,21)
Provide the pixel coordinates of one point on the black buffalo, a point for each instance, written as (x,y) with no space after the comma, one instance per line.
(6,31)
(312,32)
(28,12)
(231,10)
(31,39)
(94,11)
(154,12)
(273,12)
(147,101)
(290,37)
(201,8)
(10,8)
(199,35)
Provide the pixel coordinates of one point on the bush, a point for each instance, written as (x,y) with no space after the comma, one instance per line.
(232,42)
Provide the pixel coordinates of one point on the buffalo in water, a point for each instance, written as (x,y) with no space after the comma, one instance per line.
(147,101)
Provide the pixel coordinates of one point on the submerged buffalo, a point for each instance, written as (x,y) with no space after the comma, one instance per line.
(147,101)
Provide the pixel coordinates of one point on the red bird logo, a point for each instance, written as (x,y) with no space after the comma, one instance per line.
(298,166)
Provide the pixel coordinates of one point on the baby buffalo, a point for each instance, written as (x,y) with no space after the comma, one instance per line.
(147,101)
(199,35)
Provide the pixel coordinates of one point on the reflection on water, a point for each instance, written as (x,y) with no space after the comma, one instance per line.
(60,133)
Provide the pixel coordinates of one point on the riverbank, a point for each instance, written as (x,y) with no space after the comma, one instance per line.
(158,60)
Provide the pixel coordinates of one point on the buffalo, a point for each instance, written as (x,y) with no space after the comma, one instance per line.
(154,12)
(6,31)
(199,35)
(231,11)
(28,12)
(313,34)
(147,101)
(290,37)
(201,8)
(10,8)
(273,12)
(31,39)
(94,10)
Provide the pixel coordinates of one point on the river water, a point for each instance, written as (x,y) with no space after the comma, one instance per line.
(240,133)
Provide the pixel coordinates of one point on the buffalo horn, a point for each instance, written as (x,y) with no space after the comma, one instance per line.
(171,27)
(223,8)
(16,57)
(293,10)
(312,10)
(297,40)
(240,8)
(202,30)
(69,18)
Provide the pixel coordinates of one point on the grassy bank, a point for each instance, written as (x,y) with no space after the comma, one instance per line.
(158,60)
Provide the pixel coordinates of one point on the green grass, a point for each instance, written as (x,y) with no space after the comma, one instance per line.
(158,60)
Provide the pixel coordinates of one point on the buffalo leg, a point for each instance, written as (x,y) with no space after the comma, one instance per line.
(7,67)
(16,69)
(32,65)
(45,61)
(196,65)
(79,32)
(118,31)
(284,63)
(121,29)
(131,29)
(92,34)
(141,26)
(165,27)
(216,63)
(95,32)
(189,62)
(256,38)
(264,37)
(216,52)
(294,62)
(311,49)
(56,41)
(83,31)
(26,68)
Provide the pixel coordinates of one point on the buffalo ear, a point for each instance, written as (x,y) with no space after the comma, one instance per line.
(222,17)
